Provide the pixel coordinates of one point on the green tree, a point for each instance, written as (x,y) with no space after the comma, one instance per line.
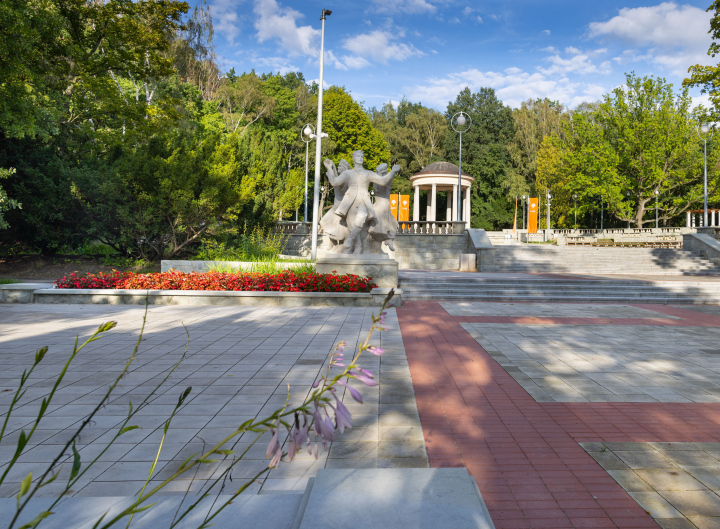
(708,77)
(350,128)
(534,121)
(641,139)
(485,155)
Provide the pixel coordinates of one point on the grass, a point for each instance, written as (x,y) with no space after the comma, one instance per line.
(8,281)
(263,267)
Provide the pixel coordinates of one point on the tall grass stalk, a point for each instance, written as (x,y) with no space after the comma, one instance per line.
(320,397)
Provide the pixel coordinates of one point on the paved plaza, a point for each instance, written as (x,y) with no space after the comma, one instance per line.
(239,364)
(552,408)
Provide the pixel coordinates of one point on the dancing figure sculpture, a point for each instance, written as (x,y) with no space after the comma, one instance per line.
(354,208)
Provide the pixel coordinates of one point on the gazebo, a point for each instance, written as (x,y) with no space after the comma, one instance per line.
(443,177)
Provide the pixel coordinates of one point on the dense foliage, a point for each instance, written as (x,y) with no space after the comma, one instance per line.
(118,127)
(286,281)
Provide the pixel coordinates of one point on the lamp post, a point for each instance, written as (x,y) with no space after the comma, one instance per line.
(657,193)
(705,132)
(575,202)
(307,134)
(316,188)
(460,122)
(547,231)
(627,195)
(524,199)
(602,213)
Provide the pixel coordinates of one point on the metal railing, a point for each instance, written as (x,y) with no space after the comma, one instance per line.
(293,228)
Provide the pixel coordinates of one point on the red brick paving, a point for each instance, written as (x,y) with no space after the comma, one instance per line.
(525,455)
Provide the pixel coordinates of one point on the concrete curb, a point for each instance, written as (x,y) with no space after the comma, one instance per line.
(30,293)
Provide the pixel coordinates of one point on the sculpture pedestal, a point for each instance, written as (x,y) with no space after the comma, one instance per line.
(382,269)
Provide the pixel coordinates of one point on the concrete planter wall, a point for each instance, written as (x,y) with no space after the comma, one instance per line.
(30,293)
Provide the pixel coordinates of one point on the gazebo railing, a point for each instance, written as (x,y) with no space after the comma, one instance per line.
(416,227)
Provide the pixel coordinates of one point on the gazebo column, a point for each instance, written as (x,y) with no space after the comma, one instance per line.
(454,202)
(687,219)
(416,205)
(466,216)
(434,203)
(448,208)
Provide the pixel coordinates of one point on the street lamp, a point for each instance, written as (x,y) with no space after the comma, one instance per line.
(575,201)
(316,189)
(627,195)
(657,192)
(602,213)
(460,122)
(307,134)
(524,198)
(547,231)
(705,132)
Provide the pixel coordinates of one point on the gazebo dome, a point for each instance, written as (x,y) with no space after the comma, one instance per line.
(441,168)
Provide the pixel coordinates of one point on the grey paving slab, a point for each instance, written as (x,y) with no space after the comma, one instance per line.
(239,362)
(599,363)
(438,498)
(684,496)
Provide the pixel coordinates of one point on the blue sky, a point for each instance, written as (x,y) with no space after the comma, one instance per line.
(428,50)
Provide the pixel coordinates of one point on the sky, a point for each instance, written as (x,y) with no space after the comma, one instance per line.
(428,50)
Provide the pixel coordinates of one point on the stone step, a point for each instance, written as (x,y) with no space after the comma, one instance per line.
(394,498)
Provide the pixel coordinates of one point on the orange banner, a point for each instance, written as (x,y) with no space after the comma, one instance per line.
(394,205)
(404,213)
(533,215)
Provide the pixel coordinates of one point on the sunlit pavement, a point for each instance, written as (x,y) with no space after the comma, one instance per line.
(509,390)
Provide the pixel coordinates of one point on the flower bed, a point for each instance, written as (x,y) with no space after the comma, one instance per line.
(286,281)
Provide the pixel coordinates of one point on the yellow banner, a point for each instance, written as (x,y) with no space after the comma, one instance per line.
(394,205)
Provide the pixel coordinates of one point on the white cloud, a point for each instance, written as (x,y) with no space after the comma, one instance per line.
(479,19)
(277,64)
(513,86)
(225,18)
(550,49)
(455,20)
(280,24)
(379,46)
(579,62)
(572,50)
(546,32)
(403,6)
(674,36)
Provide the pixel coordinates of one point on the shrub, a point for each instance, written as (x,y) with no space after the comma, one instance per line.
(285,281)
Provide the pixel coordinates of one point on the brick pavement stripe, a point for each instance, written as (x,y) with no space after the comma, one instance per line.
(521,451)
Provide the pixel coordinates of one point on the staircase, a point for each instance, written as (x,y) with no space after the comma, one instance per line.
(546,258)
(470,287)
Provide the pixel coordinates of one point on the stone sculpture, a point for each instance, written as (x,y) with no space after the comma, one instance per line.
(354,225)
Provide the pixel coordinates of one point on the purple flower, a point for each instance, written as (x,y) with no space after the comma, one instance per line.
(323,426)
(274,450)
(353,392)
(364,379)
(375,350)
(343,418)
(316,384)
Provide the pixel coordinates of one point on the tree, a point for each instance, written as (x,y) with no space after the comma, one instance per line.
(641,139)
(423,135)
(243,101)
(534,121)
(347,124)
(485,155)
(708,77)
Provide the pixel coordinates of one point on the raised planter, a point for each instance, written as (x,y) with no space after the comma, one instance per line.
(30,293)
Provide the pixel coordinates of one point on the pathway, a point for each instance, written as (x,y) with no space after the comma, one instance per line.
(525,454)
